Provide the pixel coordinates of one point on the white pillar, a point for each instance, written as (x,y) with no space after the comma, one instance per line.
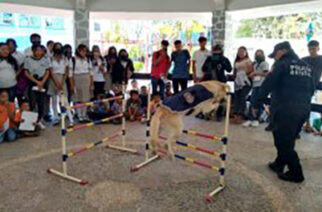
(81,18)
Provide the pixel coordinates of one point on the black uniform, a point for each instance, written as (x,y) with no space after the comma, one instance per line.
(291,85)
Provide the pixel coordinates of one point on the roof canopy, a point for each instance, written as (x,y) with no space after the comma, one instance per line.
(155,5)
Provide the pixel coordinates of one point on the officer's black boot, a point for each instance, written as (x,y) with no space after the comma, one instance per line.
(295,176)
(276,167)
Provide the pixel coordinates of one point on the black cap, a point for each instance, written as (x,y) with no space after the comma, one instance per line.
(217,47)
(284,45)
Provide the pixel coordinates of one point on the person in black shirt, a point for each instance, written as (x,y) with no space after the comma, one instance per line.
(216,65)
(122,70)
(214,68)
(291,85)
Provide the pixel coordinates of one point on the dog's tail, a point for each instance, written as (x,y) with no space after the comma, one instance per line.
(155,127)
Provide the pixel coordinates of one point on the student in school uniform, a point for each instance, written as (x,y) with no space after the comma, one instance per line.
(22,80)
(82,75)
(37,70)
(58,75)
(99,70)
(8,70)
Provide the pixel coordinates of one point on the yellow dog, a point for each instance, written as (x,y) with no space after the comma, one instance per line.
(203,97)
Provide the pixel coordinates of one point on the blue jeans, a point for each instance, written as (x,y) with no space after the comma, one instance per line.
(158,82)
(240,99)
(259,108)
(9,135)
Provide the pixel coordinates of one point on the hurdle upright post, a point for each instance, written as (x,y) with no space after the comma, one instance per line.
(123,113)
(223,155)
(63,134)
(148,121)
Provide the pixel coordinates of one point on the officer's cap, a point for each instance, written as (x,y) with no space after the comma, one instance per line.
(284,45)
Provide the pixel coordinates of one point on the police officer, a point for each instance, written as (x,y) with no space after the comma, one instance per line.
(291,86)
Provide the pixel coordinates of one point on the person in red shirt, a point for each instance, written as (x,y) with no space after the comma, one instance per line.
(7,114)
(160,65)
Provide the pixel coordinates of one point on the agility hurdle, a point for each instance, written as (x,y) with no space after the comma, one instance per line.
(221,156)
(68,155)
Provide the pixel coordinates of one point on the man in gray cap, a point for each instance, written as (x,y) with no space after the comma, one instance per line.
(291,85)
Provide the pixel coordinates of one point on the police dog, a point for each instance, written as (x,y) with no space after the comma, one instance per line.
(172,121)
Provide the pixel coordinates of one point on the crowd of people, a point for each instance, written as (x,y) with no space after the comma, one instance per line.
(34,80)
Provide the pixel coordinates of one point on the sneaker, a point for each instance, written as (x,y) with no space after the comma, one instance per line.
(41,125)
(247,124)
(291,177)
(56,121)
(255,123)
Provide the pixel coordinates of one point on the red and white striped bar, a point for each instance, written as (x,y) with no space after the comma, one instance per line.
(199,134)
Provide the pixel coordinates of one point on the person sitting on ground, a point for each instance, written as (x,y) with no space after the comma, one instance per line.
(317,126)
(135,85)
(133,105)
(101,110)
(24,106)
(156,100)
(117,109)
(144,100)
(7,114)
(168,91)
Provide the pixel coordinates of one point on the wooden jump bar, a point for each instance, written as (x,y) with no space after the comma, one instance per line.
(195,133)
(95,102)
(90,146)
(82,126)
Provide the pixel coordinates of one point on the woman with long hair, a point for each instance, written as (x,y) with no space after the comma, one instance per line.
(82,75)
(243,68)
(122,70)
(261,69)
(57,83)
(99,70)
(110,59)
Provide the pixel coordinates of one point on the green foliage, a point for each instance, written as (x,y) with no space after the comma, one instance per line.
(138,66)
(280,27)
(246,29)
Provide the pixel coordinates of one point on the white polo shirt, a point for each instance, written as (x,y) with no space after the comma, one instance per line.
(19,57)
(59,66)
(82,66)
(7,75)
(200,58)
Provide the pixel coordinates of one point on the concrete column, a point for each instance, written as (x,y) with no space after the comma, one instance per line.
(218,22)
(81,17)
